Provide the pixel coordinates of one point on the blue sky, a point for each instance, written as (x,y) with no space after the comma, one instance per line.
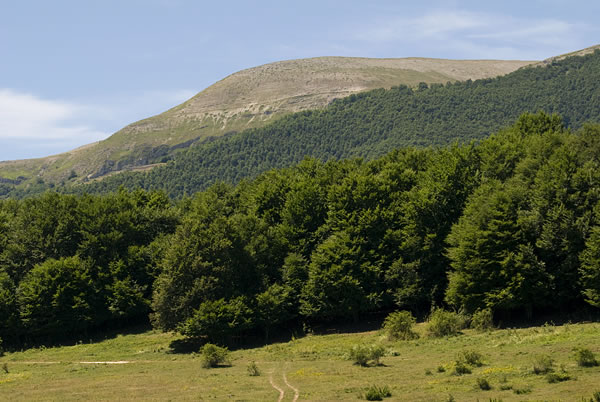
(74,72)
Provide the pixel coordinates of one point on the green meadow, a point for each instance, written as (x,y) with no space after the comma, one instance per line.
(146,366)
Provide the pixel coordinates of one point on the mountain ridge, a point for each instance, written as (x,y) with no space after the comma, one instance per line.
(246,99)
(370,124)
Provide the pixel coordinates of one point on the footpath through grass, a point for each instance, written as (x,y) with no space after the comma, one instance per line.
(144,367)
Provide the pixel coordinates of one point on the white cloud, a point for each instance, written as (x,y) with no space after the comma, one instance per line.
(469,34)
(31,126)
(28,117)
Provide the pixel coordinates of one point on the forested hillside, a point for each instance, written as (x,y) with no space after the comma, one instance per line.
(247,99)
(371,124)
(511,224)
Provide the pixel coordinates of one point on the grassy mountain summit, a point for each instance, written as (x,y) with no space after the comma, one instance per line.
(246,99)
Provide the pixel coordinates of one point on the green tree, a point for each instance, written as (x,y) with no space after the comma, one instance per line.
(274,307)
(207,260)
(338,285)
(590,265)
(9,311)
(219,320)
(493,264)
(58,297)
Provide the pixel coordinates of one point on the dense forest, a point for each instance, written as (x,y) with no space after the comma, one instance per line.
(370,124)
(511,223)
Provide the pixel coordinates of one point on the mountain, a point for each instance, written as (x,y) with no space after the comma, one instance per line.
(581,52)
(247,99)
(370,124)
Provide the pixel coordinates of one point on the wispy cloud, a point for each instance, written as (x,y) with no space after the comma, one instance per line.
(28,117)
(32,126)
(478,35)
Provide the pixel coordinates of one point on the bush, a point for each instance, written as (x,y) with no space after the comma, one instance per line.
(470,357)
(445,323)
(253,370)
(557,377)
(482,320)
(483,384)
(543,364)
(585,358)
(360,354)
(213,355)
(377,352)
(363,354)
(375,393)
(461,368)
(525,389)
(399,325)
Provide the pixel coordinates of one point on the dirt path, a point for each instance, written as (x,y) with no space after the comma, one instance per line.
(277,388)
(296,392)
(281,391)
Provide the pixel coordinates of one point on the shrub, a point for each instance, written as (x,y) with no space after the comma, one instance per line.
(585,358)
(482,320)
(213,355)
(363,354)
(525,389)
(399,325)
(543,364)
(557,377)
(461,368)
(445,323)
(471,357)
(483,384)
(5,367)
(377,352)
(253,370)
(360,354)
(375,393)
(441,368)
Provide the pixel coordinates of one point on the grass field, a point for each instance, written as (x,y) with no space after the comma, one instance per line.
(144,366)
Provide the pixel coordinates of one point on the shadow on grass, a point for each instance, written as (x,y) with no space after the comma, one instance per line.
(94,335)
(293,330)
(219,366)
(577,314)
(186,345)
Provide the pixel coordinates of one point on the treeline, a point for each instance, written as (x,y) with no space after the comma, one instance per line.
(512,223)
(370,124)
(69,264)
